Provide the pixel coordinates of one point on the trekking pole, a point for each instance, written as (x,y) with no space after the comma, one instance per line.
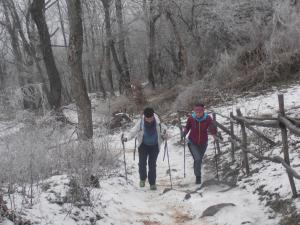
(216,160)
(184,157)
(180,128)
(124,158)
(134,149)
(166,151)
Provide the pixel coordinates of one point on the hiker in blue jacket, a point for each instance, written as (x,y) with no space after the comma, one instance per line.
(150,133)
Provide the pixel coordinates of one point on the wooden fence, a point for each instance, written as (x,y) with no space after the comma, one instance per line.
(282,122)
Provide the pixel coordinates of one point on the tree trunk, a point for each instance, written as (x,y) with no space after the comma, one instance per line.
(101,84)
(182,53)
(11,27)
(125,83)
(85,126)
(62,23)
(106,5)
(3,74)
(31,33)
(37,13)
(116,59)
(90,24)
(152,51)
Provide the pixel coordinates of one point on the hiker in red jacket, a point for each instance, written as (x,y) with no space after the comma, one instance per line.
(198,124)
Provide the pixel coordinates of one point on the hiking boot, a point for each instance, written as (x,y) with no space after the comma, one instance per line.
(142,183)
(153,187)
(198,180)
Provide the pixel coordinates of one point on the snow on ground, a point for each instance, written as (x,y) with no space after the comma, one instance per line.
(142,206)
(129,204)
(119,203)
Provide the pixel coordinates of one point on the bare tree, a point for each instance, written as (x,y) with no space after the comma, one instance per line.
(85,126)
(38,15)
(11,27)
(153,16)
(125,77)
(2,73)
(62,23)
(99,78)
(182,51)
(106,6)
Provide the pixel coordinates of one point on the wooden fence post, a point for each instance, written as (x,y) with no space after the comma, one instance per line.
(285,146)
(244,142)
(232,136)
(217,141)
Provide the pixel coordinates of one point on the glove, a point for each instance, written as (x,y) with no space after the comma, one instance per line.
(123,139)
(182,134)
(165,136)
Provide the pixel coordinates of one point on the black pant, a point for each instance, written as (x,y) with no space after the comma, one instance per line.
(150,152)
(197,152)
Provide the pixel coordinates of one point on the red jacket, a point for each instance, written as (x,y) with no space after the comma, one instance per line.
(199,130)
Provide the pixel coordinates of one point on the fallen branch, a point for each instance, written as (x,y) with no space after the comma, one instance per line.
(260,134)
(260,118)
(273,124)
(294,121)
(294,129)
(227,131)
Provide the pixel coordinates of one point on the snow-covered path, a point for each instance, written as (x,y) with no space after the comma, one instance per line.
(142,206)
(129,204)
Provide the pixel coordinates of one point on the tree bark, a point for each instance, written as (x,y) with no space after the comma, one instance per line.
(152,51)
(85,126)
(11,28)
(182,52)
(125,83)
(62,23)
(100,81)
(106,5)
(151,55)
(31,33)
(116,59)
(3,74)
(37,13)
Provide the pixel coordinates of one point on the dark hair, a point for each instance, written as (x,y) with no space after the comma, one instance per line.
(199,105)
(148,112)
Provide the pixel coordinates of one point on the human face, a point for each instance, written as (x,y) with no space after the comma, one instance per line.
(199,114)
(149,119)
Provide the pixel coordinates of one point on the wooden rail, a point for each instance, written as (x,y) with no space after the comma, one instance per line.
(281,122)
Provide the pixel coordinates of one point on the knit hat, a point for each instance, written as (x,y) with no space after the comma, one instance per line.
(148,112)
(199,108)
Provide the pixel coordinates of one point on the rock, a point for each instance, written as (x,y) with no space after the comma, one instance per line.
(166,190)
(212,210)
(187,196)
(119,120)
(94,181)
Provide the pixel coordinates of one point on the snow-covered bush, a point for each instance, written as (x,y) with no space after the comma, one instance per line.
(198,92)
(271,55)
(285,31)
(44,147)
(31,96)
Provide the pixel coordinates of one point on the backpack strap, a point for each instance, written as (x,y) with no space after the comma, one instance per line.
(141,124)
